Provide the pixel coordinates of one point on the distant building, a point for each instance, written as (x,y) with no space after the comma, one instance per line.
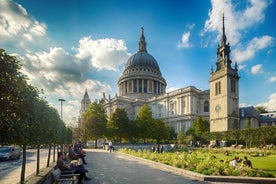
(267,119)
(249,116)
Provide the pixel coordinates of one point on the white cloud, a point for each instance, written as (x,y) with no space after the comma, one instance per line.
(58,73)
(108,53)
(190,26)
(243,54)
(270,105)
(256,69)
(236,18)
(64,75)
(184,41)
(272,79)
(18,26)
(244,105)
(241,67)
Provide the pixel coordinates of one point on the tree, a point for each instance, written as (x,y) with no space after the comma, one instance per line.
(246,124)
(12,84)
(181,136)
(119,124)
(261,109)
(172,133)
(201,126)
(160,131)
(198,128)
(94,122)
(144,122)
(24,116)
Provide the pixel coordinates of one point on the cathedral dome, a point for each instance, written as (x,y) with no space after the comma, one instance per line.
(142,59)
(142,77)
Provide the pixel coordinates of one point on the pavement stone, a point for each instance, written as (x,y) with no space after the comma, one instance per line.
(117,168)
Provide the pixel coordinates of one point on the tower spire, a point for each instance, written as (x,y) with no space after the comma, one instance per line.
(223,36)
(142,42)
(86,94)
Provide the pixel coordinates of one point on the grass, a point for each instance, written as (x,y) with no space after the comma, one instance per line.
(209,161)
(265,163)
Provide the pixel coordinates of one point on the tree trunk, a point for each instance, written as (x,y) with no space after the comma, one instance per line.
(54,153)
(38,159)
(49,155)
(23,168)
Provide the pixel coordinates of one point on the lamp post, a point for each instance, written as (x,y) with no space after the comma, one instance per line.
(61,101)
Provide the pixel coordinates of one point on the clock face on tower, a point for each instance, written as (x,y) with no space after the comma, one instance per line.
(218,108)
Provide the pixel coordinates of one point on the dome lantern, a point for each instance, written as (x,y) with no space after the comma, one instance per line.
(142,42)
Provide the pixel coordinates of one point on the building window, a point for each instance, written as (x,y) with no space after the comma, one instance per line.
(172,108)
(242,113)
(233,86)
(218,88)
(206,106)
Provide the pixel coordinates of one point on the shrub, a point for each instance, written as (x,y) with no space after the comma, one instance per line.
(208,165)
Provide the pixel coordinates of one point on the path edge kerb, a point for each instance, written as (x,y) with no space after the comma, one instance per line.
(201,177)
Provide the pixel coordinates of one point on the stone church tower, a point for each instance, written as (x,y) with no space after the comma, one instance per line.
(224,90)
(85,102)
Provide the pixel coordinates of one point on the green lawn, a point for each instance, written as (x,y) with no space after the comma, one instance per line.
(265,163)
(214,162)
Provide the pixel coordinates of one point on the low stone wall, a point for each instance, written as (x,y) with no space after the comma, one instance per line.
(44,177)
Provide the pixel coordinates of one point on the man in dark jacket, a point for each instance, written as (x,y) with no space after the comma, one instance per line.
(64,165)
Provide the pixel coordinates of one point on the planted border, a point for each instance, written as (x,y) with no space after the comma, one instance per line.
(207,165)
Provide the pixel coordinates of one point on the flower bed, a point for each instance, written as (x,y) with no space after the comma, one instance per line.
(200,161)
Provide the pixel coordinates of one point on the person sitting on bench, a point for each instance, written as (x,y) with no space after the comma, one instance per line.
(64,165)
(76,155)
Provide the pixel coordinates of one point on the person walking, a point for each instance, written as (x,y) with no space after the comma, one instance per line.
(110,146)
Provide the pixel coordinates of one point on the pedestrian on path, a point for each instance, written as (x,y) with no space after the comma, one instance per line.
(110,146)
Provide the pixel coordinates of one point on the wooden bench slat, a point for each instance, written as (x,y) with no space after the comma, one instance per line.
(63,178)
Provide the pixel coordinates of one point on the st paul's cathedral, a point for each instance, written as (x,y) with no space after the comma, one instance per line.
(142,83)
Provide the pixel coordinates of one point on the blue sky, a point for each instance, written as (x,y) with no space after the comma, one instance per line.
(67,46)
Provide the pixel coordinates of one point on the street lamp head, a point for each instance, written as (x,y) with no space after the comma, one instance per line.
(61,100)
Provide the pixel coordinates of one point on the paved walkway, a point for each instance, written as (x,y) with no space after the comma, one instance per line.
(111,168)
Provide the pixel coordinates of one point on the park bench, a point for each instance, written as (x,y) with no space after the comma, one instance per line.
(61,178)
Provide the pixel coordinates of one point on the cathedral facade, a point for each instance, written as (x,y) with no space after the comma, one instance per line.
(142,83)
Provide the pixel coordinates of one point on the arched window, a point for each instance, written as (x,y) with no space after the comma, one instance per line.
(206,106)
